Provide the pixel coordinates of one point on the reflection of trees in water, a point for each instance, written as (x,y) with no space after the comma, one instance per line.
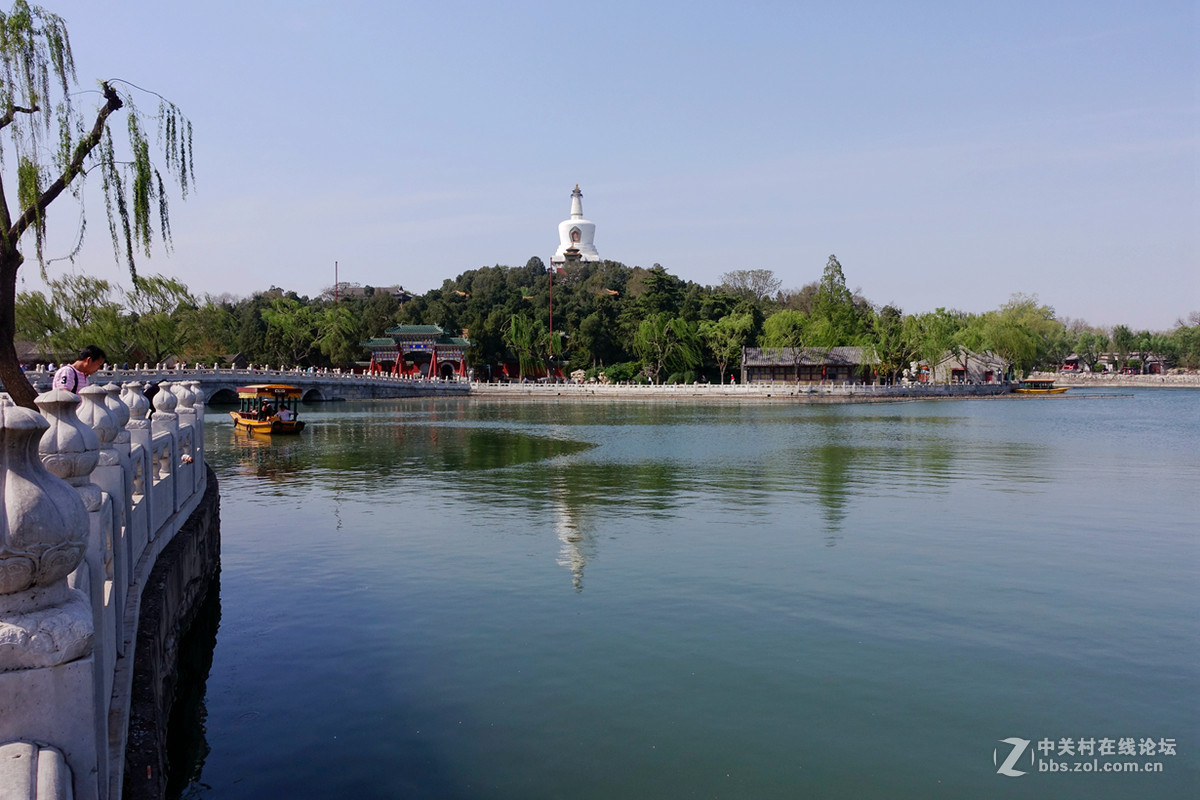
(363,454)
(645,486)
(187,742)
(837,471)
(746,460)
(830,459)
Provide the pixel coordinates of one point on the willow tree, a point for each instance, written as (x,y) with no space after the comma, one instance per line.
(49,145)
(666,342)
(522,335)
(791,331)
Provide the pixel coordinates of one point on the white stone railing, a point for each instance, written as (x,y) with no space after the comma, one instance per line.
(94,488)
(41,376)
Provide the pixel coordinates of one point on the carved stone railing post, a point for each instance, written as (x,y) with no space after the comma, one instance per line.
(118,407)
(164,423)
(110,475)
(164,419)
(51,667)
(189,427)
(139,407)
(70,449)
(46,632)
(186,406)
(197,398)
(198,403)
(43,536)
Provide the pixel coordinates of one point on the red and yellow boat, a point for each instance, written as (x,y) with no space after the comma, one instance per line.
(268,408)
(1039,386)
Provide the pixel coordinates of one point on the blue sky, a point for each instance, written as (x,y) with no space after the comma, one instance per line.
(950,154)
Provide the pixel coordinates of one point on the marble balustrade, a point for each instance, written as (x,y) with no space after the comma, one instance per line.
(94,487)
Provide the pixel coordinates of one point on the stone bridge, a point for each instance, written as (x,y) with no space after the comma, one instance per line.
(219,385)
(109,535)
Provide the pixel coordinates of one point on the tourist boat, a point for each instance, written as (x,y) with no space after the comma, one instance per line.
(1039,386)
(261,406)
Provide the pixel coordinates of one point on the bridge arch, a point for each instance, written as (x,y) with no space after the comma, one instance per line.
(222,395)
(313,395)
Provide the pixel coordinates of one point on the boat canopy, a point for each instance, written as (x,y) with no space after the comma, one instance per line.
(269,390)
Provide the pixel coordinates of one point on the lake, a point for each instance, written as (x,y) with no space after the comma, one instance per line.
(484,599)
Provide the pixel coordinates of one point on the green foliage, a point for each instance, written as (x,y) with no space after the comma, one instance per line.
(379,312)
(789,330)
(893,344)
(837,320)
(158,294)
(209,331)
(339,333)
(37,321)
(622,372)
(932,334)
(523,335)
(684,377)
(291,331)
(660,291)
(666,342)
(786,328)
(1123,342)
(1185,343)
(725,339)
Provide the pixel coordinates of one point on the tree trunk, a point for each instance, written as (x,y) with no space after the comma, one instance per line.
(11,376)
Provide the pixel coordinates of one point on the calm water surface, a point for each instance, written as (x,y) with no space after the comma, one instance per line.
(476,599)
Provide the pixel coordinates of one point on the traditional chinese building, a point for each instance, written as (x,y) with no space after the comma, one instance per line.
(418,350)
(805,364)
(968,367)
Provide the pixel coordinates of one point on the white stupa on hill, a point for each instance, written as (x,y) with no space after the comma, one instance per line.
(576,236)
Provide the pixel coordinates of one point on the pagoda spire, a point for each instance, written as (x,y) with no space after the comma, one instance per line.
(577,203)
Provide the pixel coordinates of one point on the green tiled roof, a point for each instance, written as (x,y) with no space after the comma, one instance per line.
(415,330)
(421,333)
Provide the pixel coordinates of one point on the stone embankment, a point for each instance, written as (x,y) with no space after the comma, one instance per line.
(773,392)
(1108,380)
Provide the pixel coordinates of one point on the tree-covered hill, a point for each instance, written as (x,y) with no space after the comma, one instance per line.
(628,321)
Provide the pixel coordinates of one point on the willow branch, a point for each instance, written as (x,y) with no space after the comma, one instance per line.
(73,168)
(10,115)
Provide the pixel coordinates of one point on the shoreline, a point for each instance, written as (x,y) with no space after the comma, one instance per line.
(820,393)
(1108,380)
(765,392)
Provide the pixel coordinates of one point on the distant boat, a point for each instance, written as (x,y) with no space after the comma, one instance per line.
(1039,386)
(267,408)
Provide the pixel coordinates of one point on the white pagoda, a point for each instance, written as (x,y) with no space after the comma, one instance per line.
(576,236)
